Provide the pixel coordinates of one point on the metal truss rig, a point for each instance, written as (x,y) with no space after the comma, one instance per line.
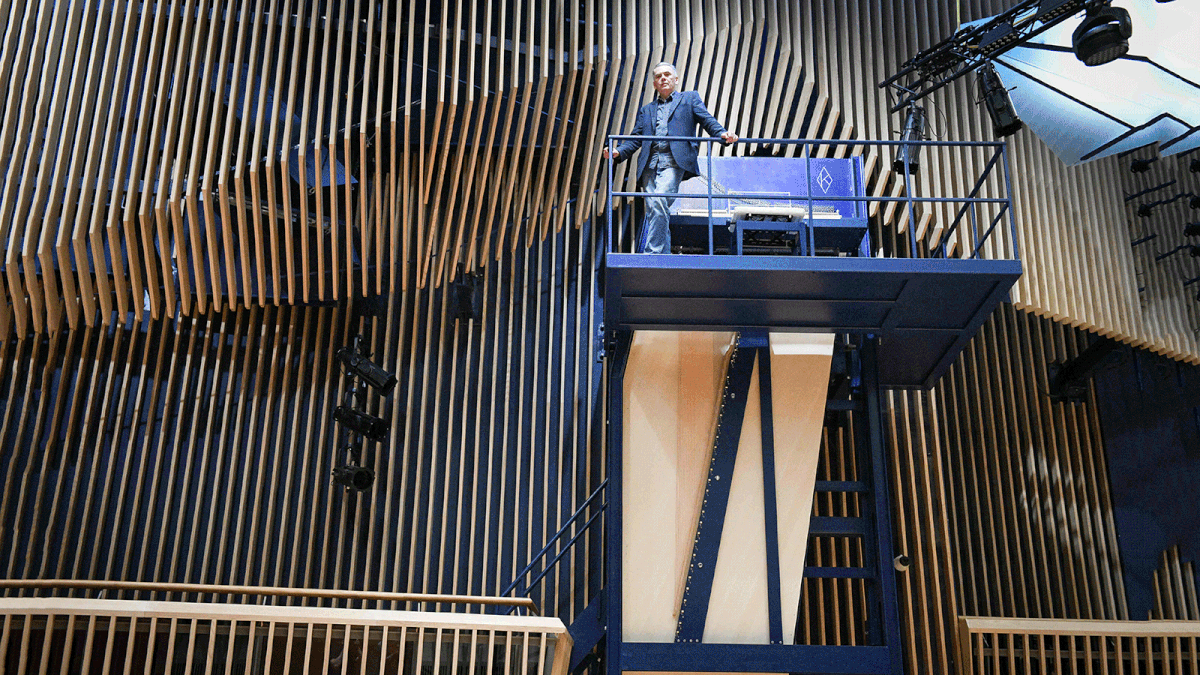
(967,49)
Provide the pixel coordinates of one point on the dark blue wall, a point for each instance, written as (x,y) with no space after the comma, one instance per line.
(1150,417)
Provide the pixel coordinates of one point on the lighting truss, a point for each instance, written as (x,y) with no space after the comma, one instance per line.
(971,46)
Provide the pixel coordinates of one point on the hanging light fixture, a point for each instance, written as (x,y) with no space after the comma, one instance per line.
(914,130)
(999,106)
(356,363)
(353,477)
(361,422)
(1103,36)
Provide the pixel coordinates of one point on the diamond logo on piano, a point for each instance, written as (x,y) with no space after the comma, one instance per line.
(824,180)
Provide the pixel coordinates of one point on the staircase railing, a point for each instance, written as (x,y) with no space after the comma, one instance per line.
(515,584)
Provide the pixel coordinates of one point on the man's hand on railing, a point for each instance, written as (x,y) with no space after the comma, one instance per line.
(606,154)
(729,137)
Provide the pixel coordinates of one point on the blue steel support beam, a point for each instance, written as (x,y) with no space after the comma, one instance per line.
(888,604)
(834,660)
(612,540)
(770,506)
(697,590)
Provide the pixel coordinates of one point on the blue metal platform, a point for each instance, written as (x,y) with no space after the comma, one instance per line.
(925,310)
(924,304)
(787,246)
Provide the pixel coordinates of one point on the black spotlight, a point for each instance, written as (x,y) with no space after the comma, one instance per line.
(1194,167)
(999,106)
(1145,210)
(1140,165)
(363,423)
(353,477)
(357,364)
(1194,202)
(1194,251)
(914,130)
(465,299)
(1191,230)
(1103,36)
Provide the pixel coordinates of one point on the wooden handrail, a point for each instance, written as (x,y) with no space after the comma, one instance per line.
(1105,627)
(1177,642)
(224,589)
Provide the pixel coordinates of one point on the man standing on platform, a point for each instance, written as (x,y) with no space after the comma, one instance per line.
(665,164)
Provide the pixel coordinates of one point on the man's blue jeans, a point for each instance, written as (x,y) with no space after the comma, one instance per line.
(662,176)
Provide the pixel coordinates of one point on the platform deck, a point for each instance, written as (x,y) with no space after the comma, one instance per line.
(924,310)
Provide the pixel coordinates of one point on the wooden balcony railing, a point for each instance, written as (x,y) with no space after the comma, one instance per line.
(994,646)
(87,635)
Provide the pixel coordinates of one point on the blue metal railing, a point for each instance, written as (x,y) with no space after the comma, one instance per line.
(515,584)
(969,204)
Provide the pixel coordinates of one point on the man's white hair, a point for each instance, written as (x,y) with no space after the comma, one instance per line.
(664,64)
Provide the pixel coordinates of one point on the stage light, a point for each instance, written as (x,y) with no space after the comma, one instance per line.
(1191,230)
(914,130)
(465,298)
(1194,202)
(999,106)
(353,477)
(357,364)
(1194,251)
(1194,167)
(1103,36)
(1145,210)
(1141,165)
(360,422)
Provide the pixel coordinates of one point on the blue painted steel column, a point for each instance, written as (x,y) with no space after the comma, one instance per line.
(698,587)
(612,523)
(770,506)
(883,522)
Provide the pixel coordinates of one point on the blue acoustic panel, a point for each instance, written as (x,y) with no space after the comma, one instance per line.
(924,310)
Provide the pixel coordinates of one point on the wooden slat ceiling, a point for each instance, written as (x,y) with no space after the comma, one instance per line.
(280,151)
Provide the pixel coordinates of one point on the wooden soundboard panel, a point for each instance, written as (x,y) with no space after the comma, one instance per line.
(673,385)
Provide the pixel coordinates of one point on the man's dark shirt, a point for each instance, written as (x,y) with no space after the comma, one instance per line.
(662,106)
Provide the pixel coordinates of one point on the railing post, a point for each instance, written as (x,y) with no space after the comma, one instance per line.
(809,216)
(912,213)
(710,199)
(1008,194)
(975,231)
(608,233)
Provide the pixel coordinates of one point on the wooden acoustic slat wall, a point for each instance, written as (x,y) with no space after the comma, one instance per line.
(181,184)
(278,151)
(1175,597)
(1168,283)
(200,450)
